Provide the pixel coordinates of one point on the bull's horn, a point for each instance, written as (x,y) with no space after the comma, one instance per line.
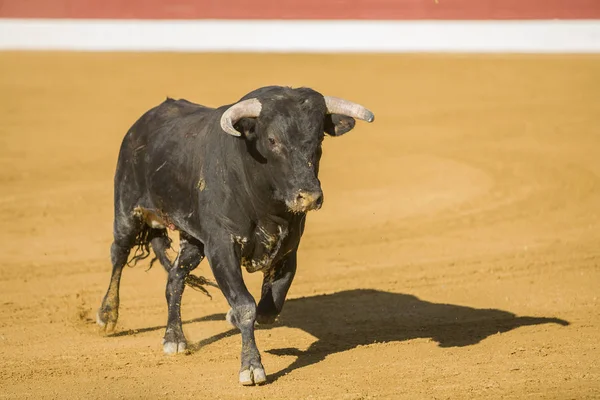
(244,109)
(340,106)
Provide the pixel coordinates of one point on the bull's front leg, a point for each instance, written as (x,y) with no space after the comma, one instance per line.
(226,268)
(276,283)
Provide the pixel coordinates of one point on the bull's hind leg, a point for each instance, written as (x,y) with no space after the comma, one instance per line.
(276,284)
(160,243)
(126,228)
(191,253)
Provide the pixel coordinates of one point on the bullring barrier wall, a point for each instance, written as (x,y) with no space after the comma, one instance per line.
(520,26)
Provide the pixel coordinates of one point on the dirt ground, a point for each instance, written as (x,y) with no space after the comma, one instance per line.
(457,254)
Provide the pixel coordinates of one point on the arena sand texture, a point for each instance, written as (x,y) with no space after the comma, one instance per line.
(457,254)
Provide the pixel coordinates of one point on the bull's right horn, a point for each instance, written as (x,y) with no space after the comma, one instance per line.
(249,108)
(336,105)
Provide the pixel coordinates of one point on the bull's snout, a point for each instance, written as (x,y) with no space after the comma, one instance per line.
(306,201)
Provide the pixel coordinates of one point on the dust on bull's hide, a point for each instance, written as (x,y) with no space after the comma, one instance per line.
(154,219)
(258,254)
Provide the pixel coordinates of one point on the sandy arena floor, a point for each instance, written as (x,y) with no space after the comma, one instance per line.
(457,254)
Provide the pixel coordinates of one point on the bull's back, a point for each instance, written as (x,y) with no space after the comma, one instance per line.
(154,155)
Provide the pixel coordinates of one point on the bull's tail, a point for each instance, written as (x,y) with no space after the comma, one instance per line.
(198,283)
(141,244)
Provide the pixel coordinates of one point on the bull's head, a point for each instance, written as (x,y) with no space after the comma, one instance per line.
(286,127)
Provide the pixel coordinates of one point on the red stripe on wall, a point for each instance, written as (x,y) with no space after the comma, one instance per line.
(303,9)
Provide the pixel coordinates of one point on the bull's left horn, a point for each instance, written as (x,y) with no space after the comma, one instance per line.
(249,108)
(340,106)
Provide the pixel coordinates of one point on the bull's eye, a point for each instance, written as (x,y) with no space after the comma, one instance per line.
(272,141)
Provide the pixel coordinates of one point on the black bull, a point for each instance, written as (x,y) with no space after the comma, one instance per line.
(236,182)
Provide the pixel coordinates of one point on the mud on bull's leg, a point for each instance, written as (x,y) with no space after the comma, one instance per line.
(191,253)
(108,313)
(126,228)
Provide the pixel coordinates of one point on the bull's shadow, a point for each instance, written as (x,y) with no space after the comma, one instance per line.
(344,320)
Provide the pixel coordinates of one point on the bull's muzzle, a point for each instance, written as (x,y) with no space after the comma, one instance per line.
(306,201)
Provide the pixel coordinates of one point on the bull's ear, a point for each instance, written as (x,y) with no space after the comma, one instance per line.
(247,127)
(338,124)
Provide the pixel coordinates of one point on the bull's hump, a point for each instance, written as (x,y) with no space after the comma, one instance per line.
(173,109)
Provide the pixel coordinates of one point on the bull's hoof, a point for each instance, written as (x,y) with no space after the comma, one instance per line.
(106,320)
(174,342)
(171,348)
(266,319)
(253,376)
